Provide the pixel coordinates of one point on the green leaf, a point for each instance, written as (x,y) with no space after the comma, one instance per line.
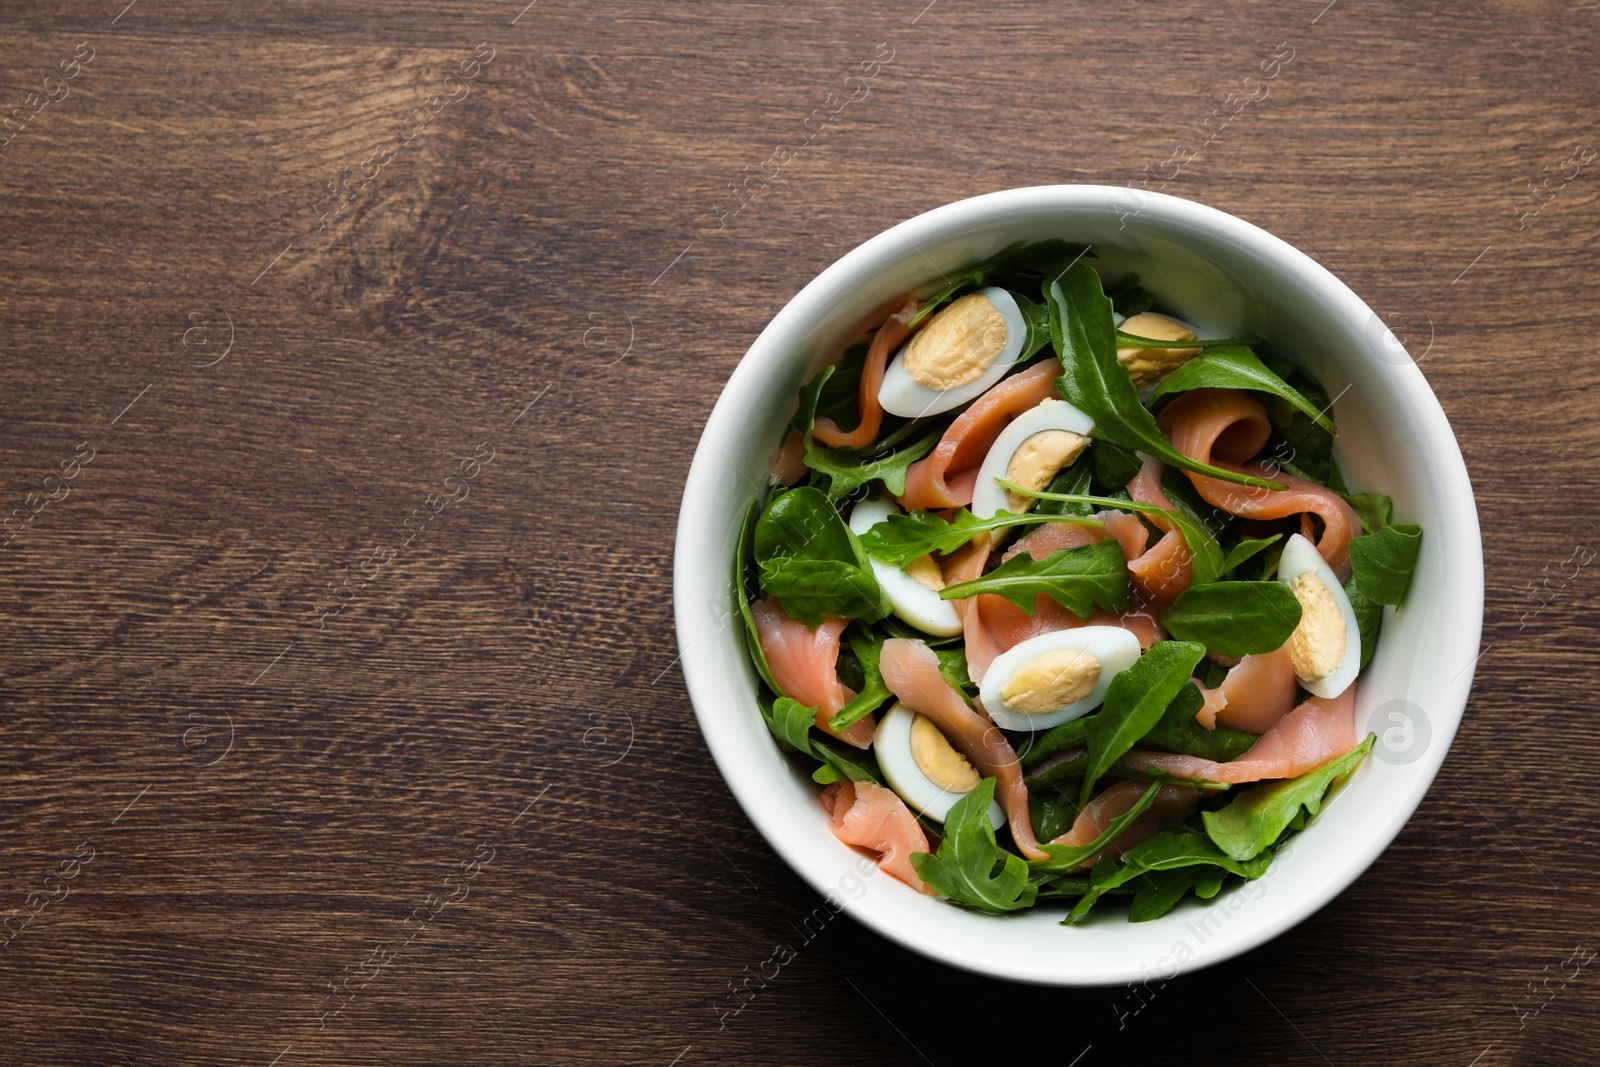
(1207,554)
(1177,731)
(1069,481)
(848,470)
(812,590)
(790,722)
(1059,773)
(1162,891)
(953,667)
(840,762)
(1128,298)
(1054,740)
(1181,494)
(1168,850)
(1369,619)
(1135,701)
(1076,578)
(1114,467)
(902,538)
(868,647)
(1247,549)
(1071,857)
(1234,618)
(812,563)
(1092,379)
(969,867)
(1254,820)
(1375,510)
(1053,815)
(1381,563)
(1133,340)
(1233,366)
(741,594)
(1037,320)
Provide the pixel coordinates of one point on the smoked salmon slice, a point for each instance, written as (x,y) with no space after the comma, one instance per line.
(1258,691)
(890,336)
(1166,568)
(1225,427)
(1303,740)
(946,477)
(911,671)
(805,663)
(1172,805)
(869,816)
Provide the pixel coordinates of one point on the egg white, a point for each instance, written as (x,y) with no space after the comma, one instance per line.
(1299,557)
(892,743)
(912,601)
(900,394)
(1115,648)
(988,496)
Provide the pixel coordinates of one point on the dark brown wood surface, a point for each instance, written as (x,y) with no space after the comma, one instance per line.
(225,798)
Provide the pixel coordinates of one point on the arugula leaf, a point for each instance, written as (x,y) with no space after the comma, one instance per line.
(1233,366)
(1381,563)
(1128,298)
(741,594)
(847,470)
(1058,773)
(1255,819)
(868,648)
(1037,321)
(1069,481)
(1076,578)
(1071,857)
(841,762)
(1207,554)
(1247,549)
(953,666)
(1056,739)
(1134,704)
(812,563)
(1375,510)
(1234,618)
(812,590)
(1168,850)
(1162,891)
(903,538)
(790,722)
(1092,379)
(1181,493)
(1114,466)
(1133,340)
(1177,731)
(834,392)
(969,867)
(1053,815)
(1369,619)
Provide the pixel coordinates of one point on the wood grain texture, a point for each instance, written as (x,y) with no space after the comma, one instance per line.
(270,791)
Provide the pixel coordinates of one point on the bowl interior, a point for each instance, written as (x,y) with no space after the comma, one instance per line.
(1227,277)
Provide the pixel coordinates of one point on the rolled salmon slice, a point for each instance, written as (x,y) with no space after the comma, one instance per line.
(911,671)
(1225,427)
(805,664)
(1303,740)
(890,336)
(1258,691)
(869,816)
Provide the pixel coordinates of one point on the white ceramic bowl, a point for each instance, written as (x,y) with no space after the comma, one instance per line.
(1230,278)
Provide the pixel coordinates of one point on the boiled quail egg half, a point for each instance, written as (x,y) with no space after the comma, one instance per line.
(966,347)
(922,765)
(1055,677)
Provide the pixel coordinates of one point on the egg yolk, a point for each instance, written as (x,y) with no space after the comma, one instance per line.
(1317,646)
(1150,365)
(957,345)
(1038,460)
(939,762)
(1052,680)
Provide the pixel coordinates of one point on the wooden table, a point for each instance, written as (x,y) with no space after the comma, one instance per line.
(352,359)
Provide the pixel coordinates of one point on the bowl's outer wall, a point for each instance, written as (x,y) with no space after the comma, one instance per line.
(1228,277)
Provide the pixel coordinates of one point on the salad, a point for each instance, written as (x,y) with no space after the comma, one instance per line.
(1063,600)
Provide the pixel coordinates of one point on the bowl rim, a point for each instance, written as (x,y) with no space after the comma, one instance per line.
(966,216)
